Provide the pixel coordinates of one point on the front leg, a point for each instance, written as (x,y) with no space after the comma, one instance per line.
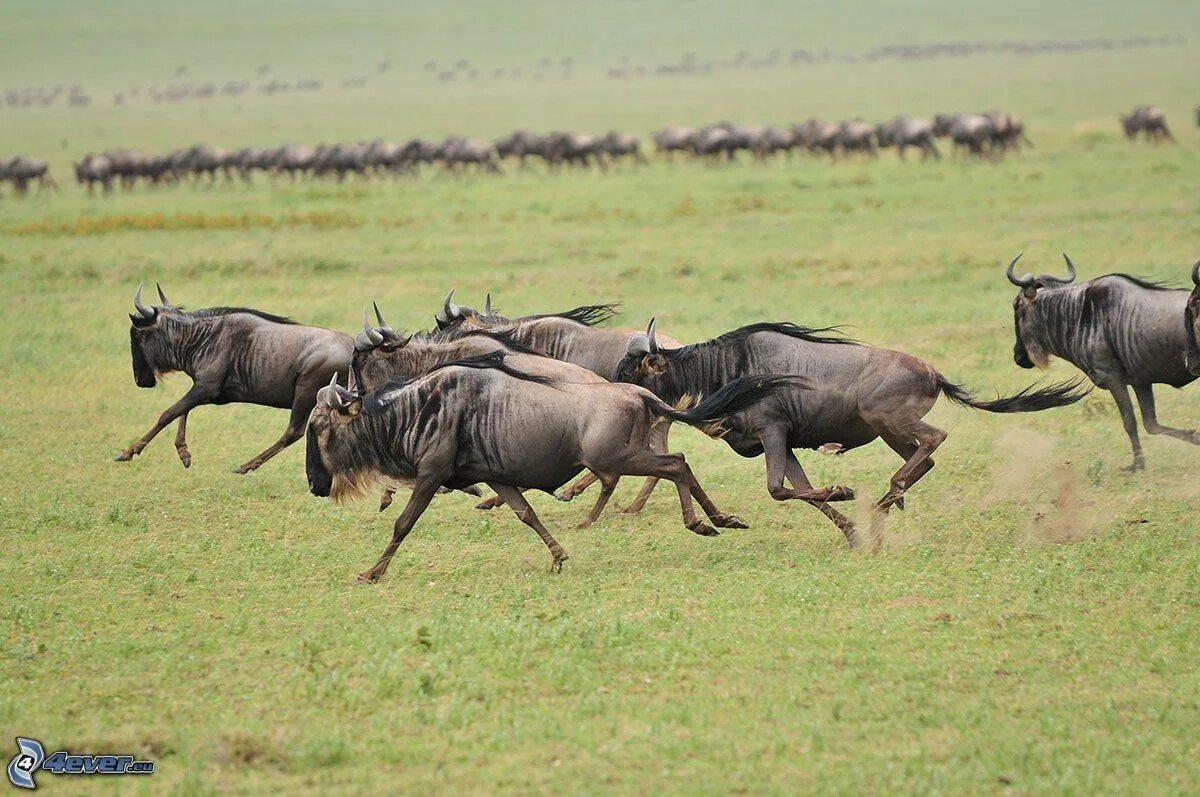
(193,398)
(418,502)
(1145,397)
(181,448)
(301,408)
(1120,394)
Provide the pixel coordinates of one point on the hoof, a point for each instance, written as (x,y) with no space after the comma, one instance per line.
(704,530)
(900,503)
(564,496)
(729,522)
(633,509)
(583,524)
(485,505)
(124,456)
(367,577)
(242,471)
(1138,464)
(185,458)
(557,563)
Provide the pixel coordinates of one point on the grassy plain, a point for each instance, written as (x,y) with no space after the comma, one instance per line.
(1030,624)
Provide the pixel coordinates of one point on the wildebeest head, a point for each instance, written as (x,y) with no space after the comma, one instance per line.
(642,359)
(325,449)
(1191,316)
(1028,351)
(150,339)
(461,316)
(365,367)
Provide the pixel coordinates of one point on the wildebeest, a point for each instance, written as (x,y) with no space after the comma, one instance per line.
(573,336)
(24,169)
(575,149)
(1118,329)
(522,144)
(904,132)
(855,394)
(1146,119)
(1191,317)
(232,354)
(478,420)
(617,145)
(381,354)
(673,138)
(94,169)
(1008,131)
(855,135)
(817,135)
(458,153)
(973,132)
(772,140)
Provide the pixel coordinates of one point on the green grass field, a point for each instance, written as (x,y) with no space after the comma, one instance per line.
(1030,623)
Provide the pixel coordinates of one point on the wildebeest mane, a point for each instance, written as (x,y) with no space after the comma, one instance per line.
(502,335)
(213,312)
(1150,285)
(493,361)
(589,315)
(812,335)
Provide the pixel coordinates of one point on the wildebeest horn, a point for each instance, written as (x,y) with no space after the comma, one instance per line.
(369,338)
(1020,282)
(379,317)
(650,338)
(163,297)
(487,305)
(332,399)
(1070,269)
(449,308)
(143,310)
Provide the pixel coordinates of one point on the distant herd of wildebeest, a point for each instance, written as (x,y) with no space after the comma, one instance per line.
(986,135)
(533,402)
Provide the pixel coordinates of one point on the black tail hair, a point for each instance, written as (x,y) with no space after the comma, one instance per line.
(742,393)
(493,361)
(1059,394)
(589,315)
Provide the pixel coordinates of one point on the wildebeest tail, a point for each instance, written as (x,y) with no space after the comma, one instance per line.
(493,361)
(740,394)
(1059,394)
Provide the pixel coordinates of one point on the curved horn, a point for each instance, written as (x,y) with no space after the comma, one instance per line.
(143,310)
(1070,269)
(487,305)
(163,297)
(369,338)
(449,308)
(1196,273)
(379,317)
(332,400)
(1020,282)
(653,341)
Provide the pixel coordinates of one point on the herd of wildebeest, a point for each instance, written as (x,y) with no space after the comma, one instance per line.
(533,402)
(986,135)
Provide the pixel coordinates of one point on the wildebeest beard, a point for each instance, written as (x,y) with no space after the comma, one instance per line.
(319,481)
(143,374)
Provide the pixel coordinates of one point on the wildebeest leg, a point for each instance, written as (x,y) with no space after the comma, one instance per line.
(295,429)
(782,462)
(582,483)
(1145,397)
(193,398)
(526,515)
(1120,394)
(490,503)
(385,500)
(658,444)
(723,520)
(181,448)
(608,483)
(422,494)
(927,438)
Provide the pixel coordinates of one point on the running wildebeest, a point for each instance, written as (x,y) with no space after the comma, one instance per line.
(1118,329)
(817,135)
(672,139)
(904,132)
(617,145)
(232,354)
(381,354)
(572,336)
(1148,120)
(973,132)
(94,169)
(856,136)
(479,420)
(854,394)
(523,144)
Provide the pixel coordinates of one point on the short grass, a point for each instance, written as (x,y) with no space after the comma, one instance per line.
(1029,624)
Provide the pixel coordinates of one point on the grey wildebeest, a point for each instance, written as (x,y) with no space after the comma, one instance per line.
(94,169)
(1119,330)
(973,132)
(855,394)
(617,145)
(232,354)
(381,354)
(672,139)
(522,144)
(24,169)
(1146,119)
(904,132)
(480,421)
(572,336)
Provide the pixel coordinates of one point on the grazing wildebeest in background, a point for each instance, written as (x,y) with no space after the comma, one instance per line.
(572,336)
(856,136)
(617,145)
(232,354)
(1008,131)
(973,132)
(522,144)
(818,136)
(1146,119)
(855,393)
(381,354)
(479,420)
(904,132)
(1119,330)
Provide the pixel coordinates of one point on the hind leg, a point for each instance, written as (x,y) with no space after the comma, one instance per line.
(524,512)
(672,467)
(582,483)
(1145,397)
(658,444)
(915,441)
(608,483)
